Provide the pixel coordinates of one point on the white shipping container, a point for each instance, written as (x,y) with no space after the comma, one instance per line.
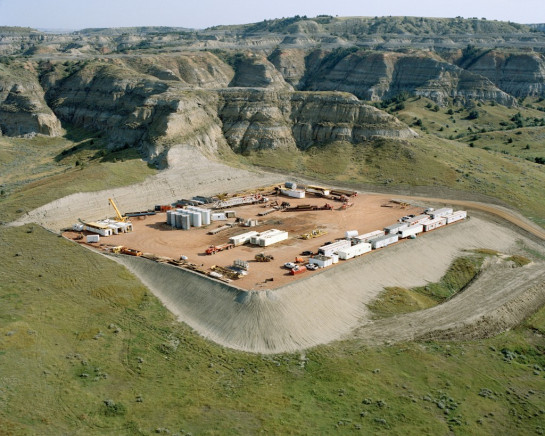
(355,250)
(434,223)
(441,212)
(456,216)
(350,234)
(295,193)
(383,241)
(218,217)
(413,230)
(93,238)
(273,239)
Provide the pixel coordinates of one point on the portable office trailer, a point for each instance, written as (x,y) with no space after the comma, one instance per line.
(273,238)
(93,238)
(434,223)
(410,231)
(350,234)
(456,216)
(419,219)
(383,241)
(354,250)
(295,193)
(328,250)
(321,261)
(441,212)
(366,236)
(396,228)
(242,238)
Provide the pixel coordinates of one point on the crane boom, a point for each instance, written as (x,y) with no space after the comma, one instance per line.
(119,216)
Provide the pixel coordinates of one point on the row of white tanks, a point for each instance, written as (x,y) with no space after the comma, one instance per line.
(191,216)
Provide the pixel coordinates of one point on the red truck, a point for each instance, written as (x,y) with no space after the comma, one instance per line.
(213,249)
(298,270)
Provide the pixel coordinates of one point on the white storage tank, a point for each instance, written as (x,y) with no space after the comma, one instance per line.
(186,222)
(456,216)
(177,219)
(410,231)
(196,219)
(383,241)
(169,217)
(439,213)
(434,223)
(355,250)
(205,214)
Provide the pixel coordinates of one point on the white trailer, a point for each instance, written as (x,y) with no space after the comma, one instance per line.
(93,238)
(295,193)
(395,228)
(384,241)
(434,223)
(218,217)
(355,250)
(242,238)
(366,236)
(328,250)
(439,213)
(419,219)
(321,261)
(273,238)
(410,231)
(350,234)
(456,216)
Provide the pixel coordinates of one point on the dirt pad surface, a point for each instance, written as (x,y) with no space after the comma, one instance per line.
(153,235)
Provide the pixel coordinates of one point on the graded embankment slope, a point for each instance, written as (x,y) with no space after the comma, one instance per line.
(191,173)
(331,304)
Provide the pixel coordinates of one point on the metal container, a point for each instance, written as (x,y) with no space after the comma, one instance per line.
(169,217)
(186,222)
(439,213)
(411,231)
(178,220)
(205,215)
(350,234)
(383,241)
(395,228)
(290,185)
(196,219)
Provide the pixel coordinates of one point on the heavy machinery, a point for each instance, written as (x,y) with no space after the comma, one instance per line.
(213,249)
(313,234)
(226,272)
(130,251)
(119,217)
(262,257)
(346,205)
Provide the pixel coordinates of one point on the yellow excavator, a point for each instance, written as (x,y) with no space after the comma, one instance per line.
(119,217)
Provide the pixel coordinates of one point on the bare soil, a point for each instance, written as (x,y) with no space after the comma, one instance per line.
(369,212)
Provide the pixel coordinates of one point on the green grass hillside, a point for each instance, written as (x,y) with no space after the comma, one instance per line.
(84,348)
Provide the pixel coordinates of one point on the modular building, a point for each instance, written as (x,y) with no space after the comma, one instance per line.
(328,250)
(268,237)
(383,241)
(354,250)
(242,238)
(320,260)
(418,219)
(101,229)
(456,216)
(350,234)
(434,223)
(439,213)
(366,236)
(395,228)
(295,193)
(411,231)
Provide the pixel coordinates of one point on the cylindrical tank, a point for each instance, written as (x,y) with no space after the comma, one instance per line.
(186,222)
(205,214)
(169,217)
(196,219)
(178,220)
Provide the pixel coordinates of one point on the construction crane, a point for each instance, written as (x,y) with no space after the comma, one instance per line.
(119,217)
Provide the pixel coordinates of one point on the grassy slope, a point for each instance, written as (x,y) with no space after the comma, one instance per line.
(55,167)
(49,319)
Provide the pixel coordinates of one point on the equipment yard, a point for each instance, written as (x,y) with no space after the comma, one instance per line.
(310,223)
